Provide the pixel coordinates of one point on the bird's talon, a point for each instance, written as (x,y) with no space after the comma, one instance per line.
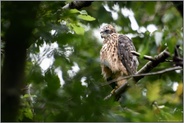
(113,91)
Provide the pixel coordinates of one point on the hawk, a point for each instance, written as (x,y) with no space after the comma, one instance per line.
(116,57)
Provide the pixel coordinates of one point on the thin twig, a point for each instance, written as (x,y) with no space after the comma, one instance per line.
(144,56)
(145,74)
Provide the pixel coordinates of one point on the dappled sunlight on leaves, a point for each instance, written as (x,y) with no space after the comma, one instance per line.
(63,67)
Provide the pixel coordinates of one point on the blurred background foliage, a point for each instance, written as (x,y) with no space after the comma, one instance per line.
(63,75)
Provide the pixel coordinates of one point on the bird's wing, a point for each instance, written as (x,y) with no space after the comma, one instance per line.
(125,46)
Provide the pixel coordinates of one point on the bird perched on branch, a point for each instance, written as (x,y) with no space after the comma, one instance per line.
(116,57)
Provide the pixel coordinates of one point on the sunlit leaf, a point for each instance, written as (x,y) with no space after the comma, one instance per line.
(28,113)
(83,12)
(86,17)
(74,11)
(153,91)
(179,90)
(78,29)
(26,96)
(77,34)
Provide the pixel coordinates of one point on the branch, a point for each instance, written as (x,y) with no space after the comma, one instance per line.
(77,5)
(145,69)
(146,74)
(144,56)
(152,64)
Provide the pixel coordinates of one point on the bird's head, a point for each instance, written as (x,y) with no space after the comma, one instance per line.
(107,30)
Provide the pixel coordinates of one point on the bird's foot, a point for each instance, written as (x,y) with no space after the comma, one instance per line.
(113,91)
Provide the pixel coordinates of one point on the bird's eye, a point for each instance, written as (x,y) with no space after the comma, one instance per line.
(107,31)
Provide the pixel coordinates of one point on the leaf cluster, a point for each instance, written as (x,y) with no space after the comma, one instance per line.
(69,88)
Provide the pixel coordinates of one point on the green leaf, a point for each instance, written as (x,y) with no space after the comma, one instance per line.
(21,115)
(26,95)
(78,29)
(52,80)
(28,113)
(86,17)
(172,42)
(83,12)
(153,95)
(150,7)
(74,11)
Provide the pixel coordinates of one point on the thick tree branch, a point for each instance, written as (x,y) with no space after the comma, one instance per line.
(145,69)
(77,5)
(152,64)
(22,18)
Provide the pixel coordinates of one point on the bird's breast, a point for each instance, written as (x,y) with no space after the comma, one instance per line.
(109,56)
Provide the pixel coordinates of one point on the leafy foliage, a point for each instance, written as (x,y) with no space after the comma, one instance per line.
(69,87)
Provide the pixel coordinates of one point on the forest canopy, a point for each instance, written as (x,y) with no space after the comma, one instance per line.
(51,68)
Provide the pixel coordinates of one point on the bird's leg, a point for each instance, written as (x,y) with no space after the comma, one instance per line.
(114,85)
(119,84)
